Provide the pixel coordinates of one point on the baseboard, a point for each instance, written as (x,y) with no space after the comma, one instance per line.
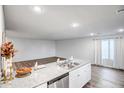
(107,67)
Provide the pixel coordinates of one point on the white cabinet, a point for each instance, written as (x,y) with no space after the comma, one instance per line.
(42,86)
(79,77)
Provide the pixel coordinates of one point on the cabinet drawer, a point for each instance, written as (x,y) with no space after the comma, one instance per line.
(85,68)
(79,77)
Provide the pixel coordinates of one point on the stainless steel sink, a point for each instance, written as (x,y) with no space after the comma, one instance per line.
(69,65)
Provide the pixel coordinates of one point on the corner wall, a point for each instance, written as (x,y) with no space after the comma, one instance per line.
(1,30)
(79,48)
(1,23)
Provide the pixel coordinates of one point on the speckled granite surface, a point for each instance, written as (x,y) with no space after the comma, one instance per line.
(41,76)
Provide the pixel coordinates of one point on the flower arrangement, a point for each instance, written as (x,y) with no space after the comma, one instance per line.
(7,50)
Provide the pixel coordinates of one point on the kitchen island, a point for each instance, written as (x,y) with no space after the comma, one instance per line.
(40,78)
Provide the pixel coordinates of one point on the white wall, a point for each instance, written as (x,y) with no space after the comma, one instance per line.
(1,28)
(33,49)
(79,48)
(1,23)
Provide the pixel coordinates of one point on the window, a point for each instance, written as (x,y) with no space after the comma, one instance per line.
(107,49)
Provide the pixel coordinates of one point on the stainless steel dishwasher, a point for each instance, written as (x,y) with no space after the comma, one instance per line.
(59,82)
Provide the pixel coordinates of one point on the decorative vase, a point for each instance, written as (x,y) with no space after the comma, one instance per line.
(7,69)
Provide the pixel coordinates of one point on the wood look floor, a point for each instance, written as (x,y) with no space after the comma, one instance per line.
(103,77)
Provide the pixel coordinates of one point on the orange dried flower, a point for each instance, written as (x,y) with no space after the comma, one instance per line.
(7,50)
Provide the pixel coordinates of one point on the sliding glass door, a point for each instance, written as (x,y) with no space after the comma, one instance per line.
(107,52)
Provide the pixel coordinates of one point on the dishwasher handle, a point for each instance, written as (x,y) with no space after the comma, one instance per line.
(58,78)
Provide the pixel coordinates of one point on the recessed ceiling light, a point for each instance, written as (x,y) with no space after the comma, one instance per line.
(75,25)
(121,30)
(92,34)
(37,9)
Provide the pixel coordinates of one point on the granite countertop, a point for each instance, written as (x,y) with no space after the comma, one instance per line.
(51,71)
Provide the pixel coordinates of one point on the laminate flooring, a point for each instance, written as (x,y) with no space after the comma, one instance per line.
(103,77)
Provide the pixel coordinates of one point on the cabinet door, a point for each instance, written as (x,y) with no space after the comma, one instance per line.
(74,79)
(85,75)
(79,77)
(42,86)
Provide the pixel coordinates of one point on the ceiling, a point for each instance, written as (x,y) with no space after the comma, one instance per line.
(54,22)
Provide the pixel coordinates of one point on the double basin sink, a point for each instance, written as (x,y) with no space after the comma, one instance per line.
(69,65)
